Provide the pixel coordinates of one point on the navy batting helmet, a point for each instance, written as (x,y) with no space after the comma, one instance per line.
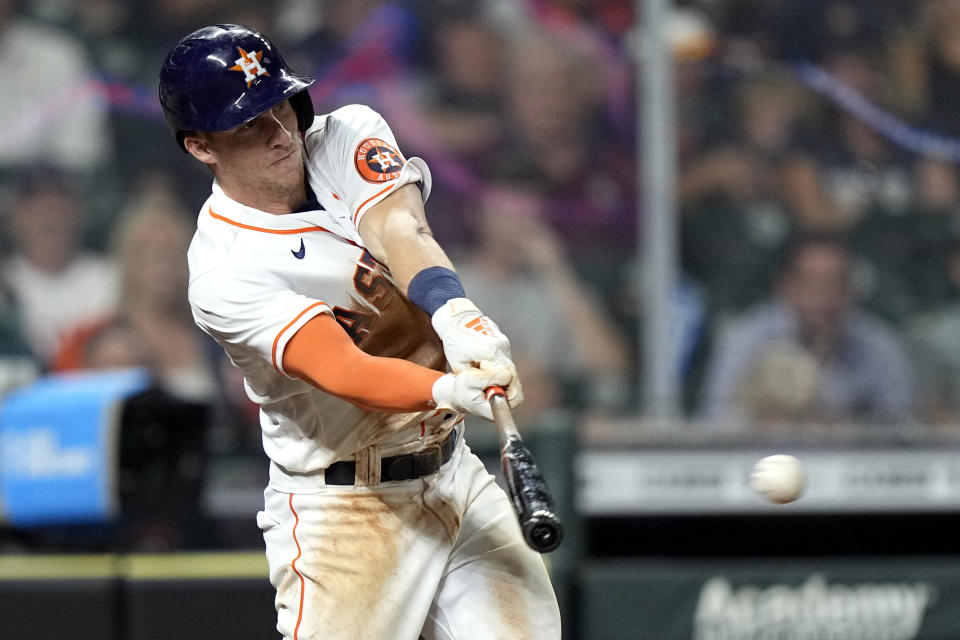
(222,76)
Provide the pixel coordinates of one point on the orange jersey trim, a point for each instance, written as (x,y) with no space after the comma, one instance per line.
(285,232)
(374,196)
(293,565)
(276,341)
(213,214)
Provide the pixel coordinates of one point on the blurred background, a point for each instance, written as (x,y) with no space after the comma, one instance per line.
(713,230)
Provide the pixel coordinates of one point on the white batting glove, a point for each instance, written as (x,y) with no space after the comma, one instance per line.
(466,391)
(471,339)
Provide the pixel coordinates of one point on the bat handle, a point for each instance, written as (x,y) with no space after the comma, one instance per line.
(497,398)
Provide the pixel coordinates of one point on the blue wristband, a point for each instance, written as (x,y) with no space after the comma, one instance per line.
(432,287)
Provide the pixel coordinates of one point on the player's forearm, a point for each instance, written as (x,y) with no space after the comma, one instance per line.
(322,354)
(411,250)
(384,384)
(396,232)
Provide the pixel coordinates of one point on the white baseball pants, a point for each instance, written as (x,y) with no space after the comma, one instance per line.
(441,556)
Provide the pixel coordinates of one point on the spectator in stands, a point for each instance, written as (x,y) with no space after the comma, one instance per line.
(566,346)
(901,266)
(935,339)
(743,197)
(462,100)
(463,97)
(153,326)
(560,148)
(863,174)
(838,363)
(56,282)
(936,220)
(867,181)
(927,70)
(356,42)
(51,108)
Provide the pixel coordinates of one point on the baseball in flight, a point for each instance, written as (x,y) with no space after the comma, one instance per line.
(780,478)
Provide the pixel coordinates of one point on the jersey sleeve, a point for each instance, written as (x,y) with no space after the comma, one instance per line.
(250,315)
(359,152)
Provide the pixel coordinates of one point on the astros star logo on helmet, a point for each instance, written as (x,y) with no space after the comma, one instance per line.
(250,65)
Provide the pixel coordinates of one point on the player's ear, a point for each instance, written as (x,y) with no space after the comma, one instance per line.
(199,147)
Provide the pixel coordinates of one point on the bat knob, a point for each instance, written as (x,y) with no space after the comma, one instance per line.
(545,537)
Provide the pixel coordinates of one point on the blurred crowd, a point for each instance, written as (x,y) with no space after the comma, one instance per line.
(819,246)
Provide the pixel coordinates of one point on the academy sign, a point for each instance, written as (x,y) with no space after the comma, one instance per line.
(813,610)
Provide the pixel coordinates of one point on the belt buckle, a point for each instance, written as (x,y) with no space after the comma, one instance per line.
(414,465)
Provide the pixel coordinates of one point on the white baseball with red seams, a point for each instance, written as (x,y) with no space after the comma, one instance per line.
(780,478)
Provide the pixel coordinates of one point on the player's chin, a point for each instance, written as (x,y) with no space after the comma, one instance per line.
(288,169)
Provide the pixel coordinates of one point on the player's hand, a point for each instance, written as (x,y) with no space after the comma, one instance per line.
(466,391)
(469,337)
(472,340)
(512,390)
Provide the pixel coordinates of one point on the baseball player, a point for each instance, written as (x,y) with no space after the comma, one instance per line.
(314,268)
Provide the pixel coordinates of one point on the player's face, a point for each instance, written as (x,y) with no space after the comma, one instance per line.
(263,156)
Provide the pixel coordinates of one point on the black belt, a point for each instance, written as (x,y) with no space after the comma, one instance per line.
(407,466)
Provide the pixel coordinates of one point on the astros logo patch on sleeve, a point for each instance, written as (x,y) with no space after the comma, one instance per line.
(377,161)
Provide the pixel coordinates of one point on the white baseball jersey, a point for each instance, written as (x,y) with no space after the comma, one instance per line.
(256,278)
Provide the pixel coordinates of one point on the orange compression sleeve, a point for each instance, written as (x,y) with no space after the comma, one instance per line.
(322,354)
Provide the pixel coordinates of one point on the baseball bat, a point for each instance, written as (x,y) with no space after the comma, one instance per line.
(528,491)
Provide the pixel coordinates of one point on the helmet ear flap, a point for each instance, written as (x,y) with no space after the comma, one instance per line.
(303,107)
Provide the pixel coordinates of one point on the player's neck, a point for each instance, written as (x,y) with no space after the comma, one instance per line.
(277,200)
